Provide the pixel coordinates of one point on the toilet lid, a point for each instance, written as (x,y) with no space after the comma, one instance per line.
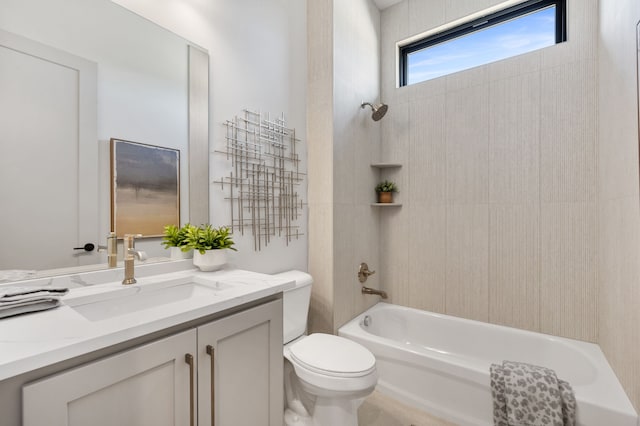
(333,355)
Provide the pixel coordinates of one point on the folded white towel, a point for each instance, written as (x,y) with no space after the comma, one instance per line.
(20,300)
(32,306)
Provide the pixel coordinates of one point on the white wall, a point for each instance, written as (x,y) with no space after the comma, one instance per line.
(500,213)
(257,54)
(618,313)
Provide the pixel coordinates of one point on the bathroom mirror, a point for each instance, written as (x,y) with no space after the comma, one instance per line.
(76,73)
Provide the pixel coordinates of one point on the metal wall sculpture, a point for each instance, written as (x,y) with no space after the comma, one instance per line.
(264,182)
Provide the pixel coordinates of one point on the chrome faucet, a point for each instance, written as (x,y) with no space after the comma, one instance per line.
(130,254)
(367,290)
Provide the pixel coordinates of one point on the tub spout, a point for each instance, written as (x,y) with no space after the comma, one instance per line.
(367,290)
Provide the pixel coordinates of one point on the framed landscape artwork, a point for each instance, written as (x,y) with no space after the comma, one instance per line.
(145,188)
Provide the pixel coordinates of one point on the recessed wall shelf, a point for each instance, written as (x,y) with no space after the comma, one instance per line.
(383,172)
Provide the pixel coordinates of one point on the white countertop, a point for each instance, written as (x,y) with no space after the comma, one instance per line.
(39,339)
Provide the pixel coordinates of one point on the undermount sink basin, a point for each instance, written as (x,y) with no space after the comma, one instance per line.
(162,295)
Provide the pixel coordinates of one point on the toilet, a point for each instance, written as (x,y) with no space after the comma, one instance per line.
(326,377)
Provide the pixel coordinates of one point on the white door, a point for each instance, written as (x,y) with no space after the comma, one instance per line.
(147,386)
(48,156)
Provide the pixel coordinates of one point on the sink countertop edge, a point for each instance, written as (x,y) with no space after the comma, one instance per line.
(77,336)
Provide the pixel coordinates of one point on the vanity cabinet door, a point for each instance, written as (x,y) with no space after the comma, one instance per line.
(151,385)
(240,379)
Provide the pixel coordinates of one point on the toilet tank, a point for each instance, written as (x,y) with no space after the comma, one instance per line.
(295,305)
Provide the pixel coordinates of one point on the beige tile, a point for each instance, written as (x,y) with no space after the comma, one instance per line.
(465,79)
(514,259)
(366,177)
(388,62)
(619,293)
(425,15)
(368,249)
(582,38)
(427,89)
(617,97)
(355,241)
(320,40)
(345,139)
(320,158)
(569,270)
(568,133)
(427,257)
(395,132)
(394,255)
(456,9)
(427,151)
(514,139)
(345,284)
(394,22)
(321,267)
(467,274)
(381,410)
(467,140)
(515,66)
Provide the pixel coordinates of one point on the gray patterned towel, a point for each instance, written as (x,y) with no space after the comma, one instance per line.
(529,395)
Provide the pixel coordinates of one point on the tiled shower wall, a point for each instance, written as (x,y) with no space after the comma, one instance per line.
(499,221)
(619,303)
(344,71)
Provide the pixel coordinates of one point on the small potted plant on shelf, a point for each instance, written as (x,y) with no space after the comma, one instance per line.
(385,191)
(209,246)
(175,239)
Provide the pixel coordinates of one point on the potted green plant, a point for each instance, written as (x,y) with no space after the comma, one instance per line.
(175,239)
(385,190)
(209,246)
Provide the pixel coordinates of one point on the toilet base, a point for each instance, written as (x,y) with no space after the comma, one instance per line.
(327,412)
(344,412)
(292,418)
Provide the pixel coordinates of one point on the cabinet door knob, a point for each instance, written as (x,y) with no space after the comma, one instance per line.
(211,352)
(188,358)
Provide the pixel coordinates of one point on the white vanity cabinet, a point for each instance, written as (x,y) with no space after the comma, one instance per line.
(240,378)
(145,386)
(229,370)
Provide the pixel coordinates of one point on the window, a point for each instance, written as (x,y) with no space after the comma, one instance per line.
(519,29)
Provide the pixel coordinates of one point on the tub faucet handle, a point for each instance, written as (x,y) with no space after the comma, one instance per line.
(364,272)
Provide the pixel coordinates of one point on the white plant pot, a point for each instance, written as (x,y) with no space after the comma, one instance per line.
(178,254)
(211,260)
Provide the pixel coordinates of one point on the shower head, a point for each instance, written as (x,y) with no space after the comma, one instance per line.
(378,110)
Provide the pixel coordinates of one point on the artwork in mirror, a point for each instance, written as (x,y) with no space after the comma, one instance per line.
(145,188)
(141,78)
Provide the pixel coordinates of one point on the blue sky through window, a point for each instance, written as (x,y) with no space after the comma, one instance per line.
(517,36)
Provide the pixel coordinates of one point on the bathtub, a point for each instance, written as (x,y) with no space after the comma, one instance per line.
(440,364)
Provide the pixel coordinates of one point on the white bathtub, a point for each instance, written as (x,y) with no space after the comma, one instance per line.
(440,364)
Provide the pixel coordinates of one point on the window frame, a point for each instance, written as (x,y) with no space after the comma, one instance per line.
(480,24)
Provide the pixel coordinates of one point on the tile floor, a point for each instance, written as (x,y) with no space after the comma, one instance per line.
(381,410)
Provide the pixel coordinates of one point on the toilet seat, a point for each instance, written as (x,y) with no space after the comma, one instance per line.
(332,364)
(333,356)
